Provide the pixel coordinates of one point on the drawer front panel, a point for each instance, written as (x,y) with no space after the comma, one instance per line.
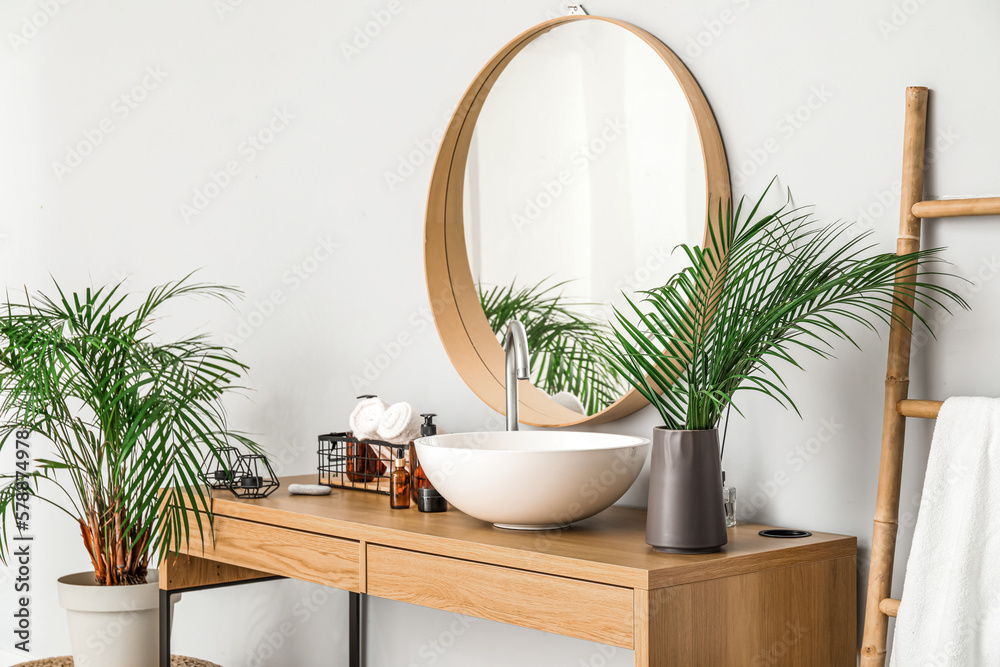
(583,609)
(317,558)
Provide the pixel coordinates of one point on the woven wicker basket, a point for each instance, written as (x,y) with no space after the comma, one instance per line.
(175,661)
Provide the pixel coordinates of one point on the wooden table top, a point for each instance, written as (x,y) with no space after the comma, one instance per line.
(609,548)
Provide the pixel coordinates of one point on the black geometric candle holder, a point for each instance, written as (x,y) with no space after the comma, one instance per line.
(218,470)
(254,477)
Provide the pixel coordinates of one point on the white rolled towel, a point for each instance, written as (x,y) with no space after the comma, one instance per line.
(366,416)
(400,424)
(569,401)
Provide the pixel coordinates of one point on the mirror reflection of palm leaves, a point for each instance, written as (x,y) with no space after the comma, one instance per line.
(565,344)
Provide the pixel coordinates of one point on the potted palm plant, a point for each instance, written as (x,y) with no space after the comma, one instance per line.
(765,287)
(127,415)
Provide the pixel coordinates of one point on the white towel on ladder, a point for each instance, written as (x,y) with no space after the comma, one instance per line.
(950,610)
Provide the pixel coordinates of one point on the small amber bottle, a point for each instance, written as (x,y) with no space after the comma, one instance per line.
(399,483)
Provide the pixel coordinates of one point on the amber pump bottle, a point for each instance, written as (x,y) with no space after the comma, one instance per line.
(399,483)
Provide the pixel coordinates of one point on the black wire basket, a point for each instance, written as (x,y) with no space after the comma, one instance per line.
(345,462)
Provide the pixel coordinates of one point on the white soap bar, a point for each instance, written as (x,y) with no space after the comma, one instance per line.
(309,490)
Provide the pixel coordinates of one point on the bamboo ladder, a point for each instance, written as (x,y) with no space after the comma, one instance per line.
(880,605)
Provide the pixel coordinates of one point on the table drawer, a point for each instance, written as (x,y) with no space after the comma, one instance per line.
(318,558)
(583,609)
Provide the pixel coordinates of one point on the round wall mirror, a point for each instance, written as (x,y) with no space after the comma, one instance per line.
(582,155)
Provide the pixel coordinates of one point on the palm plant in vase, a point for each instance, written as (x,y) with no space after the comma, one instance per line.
(765,288)
(127,416)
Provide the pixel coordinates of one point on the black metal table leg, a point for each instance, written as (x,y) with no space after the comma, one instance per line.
(354,615)
(165,611)
(164,628)
(355,628)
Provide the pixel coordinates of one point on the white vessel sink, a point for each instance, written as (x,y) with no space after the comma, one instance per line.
(532,480)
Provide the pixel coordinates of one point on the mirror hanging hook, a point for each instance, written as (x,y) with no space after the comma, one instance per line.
(576,10)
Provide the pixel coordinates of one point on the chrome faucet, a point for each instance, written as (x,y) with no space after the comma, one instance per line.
(518,363)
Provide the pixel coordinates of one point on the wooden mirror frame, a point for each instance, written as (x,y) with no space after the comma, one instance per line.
(462,326)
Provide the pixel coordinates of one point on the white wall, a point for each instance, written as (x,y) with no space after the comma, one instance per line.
(322,182)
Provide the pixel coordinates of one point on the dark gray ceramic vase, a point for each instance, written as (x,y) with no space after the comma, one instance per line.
(685,514)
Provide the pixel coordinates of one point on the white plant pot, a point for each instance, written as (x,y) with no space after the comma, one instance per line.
(112,626)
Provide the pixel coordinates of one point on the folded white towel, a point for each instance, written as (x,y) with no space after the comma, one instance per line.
(950,609)
(570,401)
(366,416)
(400,424)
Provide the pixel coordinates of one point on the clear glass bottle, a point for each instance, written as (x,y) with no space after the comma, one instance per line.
(729,501)
(399,483)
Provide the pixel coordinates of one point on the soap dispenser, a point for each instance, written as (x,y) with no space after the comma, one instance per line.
(399,483)
(423,492)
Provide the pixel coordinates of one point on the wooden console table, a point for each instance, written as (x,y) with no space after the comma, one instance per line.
(760,601)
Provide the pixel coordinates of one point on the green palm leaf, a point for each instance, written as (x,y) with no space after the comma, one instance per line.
(565,344)
(128,416)
(765,287)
